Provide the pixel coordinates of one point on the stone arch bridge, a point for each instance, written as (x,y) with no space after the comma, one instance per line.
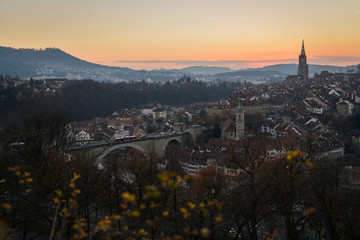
(155,144)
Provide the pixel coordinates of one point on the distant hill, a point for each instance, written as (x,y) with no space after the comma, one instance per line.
(275,73)
(286,69)
(39,56)
(53,62)
(290,69)
(203,70)
(29,62)
(252,75)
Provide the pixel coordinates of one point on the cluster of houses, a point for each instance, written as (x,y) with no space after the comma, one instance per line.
(217,153)
(32,88)
(290,110)
(151,119)
(292,113)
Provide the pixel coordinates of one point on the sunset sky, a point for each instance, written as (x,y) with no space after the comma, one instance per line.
(178,33)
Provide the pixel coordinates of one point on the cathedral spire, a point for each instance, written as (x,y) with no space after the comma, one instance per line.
(303,70)
(303,48)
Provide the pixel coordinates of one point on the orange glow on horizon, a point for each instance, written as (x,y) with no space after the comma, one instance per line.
(257,32)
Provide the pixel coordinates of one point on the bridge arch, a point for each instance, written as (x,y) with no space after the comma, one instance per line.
(174,140)
(154,144)
(114,147)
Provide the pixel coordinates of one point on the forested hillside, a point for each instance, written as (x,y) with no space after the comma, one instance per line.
(87,99)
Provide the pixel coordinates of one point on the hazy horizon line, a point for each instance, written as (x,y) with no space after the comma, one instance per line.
(205,61)
(339,61)
(233,64)
(321,59)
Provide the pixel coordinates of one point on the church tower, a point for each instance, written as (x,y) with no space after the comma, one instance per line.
(303,70)
(240,121)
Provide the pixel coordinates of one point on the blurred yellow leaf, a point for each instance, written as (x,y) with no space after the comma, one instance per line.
(212,202)
(309,163)
(5,206)
(29,180)
(185,212)
(218,219)
(58,192)
(128,196)
(142,232)
(191,205)
(76,176)
(134,213)
(289,158)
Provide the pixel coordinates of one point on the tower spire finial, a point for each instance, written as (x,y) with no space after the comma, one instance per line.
(303,48)
(239,107)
